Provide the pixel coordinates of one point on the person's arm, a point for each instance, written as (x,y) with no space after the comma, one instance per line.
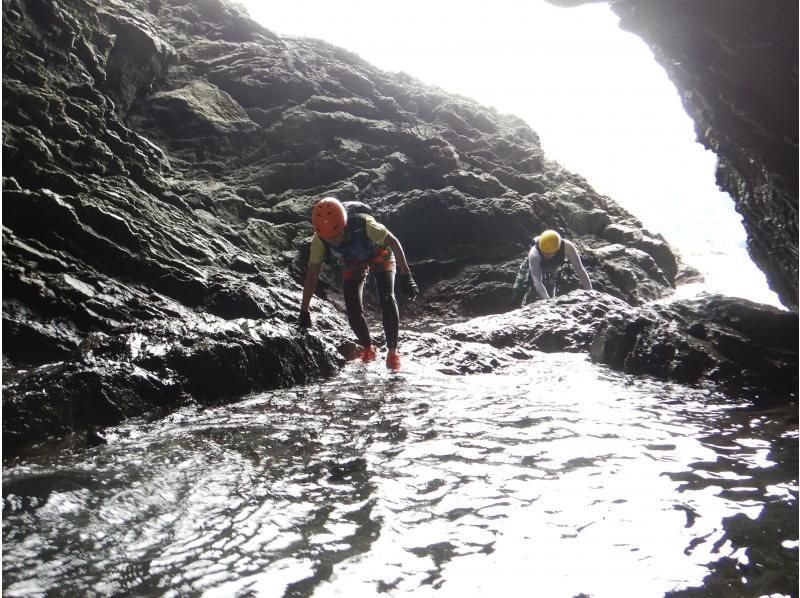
(575,259)
(380,234)
(310,284)
(392,243)
(407,283)
(535,269)
(315,259)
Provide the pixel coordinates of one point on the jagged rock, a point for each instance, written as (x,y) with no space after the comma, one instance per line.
(567,323)
(198,109)
(160,162)
(720,339)
(733,342)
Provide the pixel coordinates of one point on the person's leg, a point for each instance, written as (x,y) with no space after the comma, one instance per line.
(384,282)
(354,307)
(383,267)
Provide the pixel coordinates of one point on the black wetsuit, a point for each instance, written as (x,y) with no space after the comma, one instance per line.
(355,252)
(353,301)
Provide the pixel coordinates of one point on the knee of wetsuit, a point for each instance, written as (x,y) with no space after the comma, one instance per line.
(388,300)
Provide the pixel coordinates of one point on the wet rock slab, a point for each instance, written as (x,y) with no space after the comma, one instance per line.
(733,343)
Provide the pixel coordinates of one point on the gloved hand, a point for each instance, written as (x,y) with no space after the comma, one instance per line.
(408,286)
(305,319)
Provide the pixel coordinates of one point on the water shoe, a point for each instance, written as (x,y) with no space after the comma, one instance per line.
(393,361)
(369,353)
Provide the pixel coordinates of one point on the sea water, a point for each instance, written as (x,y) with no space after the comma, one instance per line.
(553,478)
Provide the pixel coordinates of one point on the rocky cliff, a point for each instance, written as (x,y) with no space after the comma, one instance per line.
(160,160)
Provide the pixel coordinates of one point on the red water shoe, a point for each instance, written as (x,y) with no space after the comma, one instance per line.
(369,353)
(393,361)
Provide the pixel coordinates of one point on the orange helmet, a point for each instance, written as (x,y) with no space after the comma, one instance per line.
(328,217)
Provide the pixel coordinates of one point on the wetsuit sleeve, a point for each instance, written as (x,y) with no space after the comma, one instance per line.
(535,269)
(571,252)
(375,231)
(317,255)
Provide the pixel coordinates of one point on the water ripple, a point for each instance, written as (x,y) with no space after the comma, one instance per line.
(556,478)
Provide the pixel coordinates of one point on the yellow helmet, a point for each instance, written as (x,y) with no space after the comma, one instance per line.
(549,241)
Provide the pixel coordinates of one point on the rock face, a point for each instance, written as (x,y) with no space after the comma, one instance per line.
(160,160)
(734,64)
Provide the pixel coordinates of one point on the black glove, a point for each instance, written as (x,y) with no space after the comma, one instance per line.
(408,286)
(305,319)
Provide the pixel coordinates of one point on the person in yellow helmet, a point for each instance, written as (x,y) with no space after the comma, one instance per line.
(362,245)
(544,261)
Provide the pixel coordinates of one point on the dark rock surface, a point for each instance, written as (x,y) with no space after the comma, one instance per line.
(734,64)
(711,338)
(160,160)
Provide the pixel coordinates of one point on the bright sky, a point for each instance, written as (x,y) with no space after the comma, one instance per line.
(601,105)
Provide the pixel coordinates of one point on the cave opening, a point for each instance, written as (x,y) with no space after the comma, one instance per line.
(601,104)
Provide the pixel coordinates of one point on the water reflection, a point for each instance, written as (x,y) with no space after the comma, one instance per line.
(554,479)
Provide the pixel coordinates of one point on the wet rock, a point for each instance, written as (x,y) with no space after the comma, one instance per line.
(63,397)
(731,341)
(160,365)
(95,438)
(161,160)
(457,357)
(566,323)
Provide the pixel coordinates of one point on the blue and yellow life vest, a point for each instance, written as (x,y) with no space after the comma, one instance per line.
(359,247)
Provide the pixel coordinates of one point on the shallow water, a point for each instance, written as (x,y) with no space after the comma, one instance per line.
(556,478)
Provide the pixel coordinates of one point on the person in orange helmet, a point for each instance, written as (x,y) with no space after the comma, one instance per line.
(362,245)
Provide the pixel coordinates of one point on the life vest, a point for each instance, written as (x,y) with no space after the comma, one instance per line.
(359,247)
